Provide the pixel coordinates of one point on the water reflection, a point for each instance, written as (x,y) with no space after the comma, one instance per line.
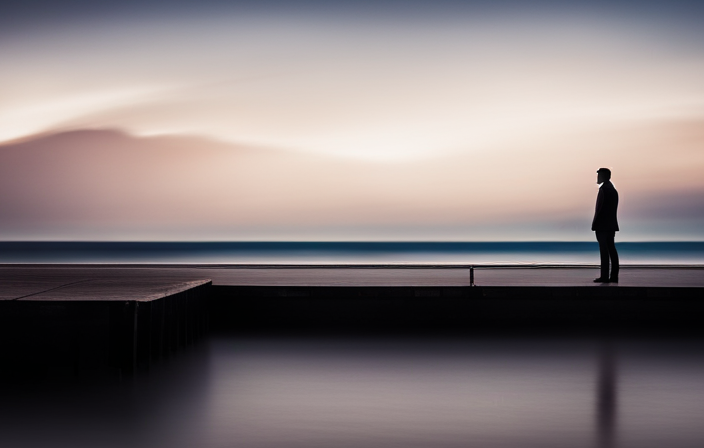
(382,392)
(606,395)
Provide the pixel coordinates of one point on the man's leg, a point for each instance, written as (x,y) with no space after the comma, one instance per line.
(614,257)
(602,238)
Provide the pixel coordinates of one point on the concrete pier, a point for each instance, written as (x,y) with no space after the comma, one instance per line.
(75,319)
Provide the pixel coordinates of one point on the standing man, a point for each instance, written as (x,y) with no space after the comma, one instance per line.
(605,225)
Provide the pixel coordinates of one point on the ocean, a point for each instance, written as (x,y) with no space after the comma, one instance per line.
(332,253)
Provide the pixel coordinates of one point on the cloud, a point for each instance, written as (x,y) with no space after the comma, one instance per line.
(355,87)
(110,184)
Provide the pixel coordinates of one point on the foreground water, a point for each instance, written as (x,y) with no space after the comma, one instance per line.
(660,253)
(239,391)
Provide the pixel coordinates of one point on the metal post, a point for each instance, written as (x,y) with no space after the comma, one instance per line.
(471,276)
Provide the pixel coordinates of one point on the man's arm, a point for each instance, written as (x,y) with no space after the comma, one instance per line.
(599,205)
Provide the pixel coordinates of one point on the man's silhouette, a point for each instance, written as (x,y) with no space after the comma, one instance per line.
(605,225)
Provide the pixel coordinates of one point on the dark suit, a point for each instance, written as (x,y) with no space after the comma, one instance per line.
(605,225)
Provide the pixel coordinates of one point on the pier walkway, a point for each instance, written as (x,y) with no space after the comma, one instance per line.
(114,282)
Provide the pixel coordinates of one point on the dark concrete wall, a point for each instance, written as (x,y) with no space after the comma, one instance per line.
(76,339)
(455,308)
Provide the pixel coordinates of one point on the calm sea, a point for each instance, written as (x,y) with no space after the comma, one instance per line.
(347,252)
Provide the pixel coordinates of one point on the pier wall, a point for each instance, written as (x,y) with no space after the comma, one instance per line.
(72,338)
(456,308)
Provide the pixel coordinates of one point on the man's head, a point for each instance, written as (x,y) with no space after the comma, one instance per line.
(602,175)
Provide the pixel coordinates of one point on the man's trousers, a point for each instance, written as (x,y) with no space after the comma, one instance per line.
(607,249)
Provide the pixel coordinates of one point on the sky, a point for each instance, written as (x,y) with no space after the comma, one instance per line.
(387,120)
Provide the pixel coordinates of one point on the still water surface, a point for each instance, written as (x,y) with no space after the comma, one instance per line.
(299,252)
(238,391)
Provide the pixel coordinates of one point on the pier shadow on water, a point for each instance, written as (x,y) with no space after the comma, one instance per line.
(383,391)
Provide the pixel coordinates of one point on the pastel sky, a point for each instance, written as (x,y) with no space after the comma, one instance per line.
(349,120)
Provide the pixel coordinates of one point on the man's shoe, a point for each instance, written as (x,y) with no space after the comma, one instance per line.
(613,280)
(601,280)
